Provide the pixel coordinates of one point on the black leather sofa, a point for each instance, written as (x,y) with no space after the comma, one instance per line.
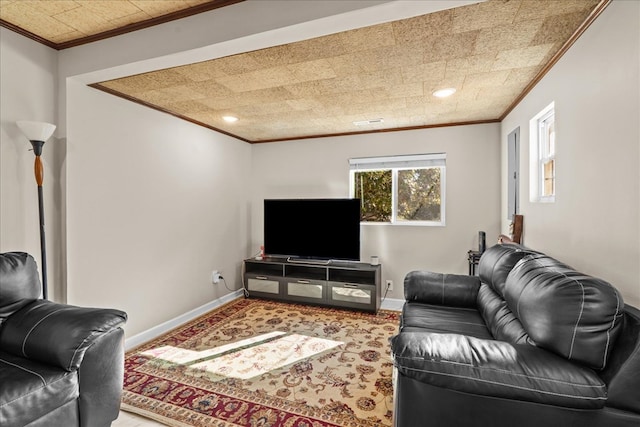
(530,342)
(60,365)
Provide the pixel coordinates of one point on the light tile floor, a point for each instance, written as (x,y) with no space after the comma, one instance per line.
(127,419)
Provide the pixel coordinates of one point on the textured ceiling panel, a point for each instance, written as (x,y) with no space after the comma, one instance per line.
(489,52)
(64,21)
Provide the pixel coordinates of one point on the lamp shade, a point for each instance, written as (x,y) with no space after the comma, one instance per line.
(36,131)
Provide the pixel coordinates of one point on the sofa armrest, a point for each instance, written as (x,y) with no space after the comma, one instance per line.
(443,289)
(496,368)
(101,377)
(57,334)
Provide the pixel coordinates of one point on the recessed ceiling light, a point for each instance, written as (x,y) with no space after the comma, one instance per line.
(443,93)
(230,119)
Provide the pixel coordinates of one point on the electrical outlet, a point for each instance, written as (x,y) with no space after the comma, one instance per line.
(215,276)
(390,285)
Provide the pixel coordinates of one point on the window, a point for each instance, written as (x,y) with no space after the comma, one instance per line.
(400,189)
(543,156)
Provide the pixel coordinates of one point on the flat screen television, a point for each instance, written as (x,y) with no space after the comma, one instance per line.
(322,229)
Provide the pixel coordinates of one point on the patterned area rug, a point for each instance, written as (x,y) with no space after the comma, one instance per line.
(266,364)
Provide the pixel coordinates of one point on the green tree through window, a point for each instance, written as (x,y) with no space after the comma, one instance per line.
(400,189)
(373,188)
(419,194)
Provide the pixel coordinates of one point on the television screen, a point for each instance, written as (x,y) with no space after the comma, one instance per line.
(312,228)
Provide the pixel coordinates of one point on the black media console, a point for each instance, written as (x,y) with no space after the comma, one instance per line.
(353,285)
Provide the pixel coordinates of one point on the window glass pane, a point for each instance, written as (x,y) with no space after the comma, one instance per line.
(419,195)
(374,189)
(551,137)
(549,175)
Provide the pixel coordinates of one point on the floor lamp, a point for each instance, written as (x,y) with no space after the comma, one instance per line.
(38,133)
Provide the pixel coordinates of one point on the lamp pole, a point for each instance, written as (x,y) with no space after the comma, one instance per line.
(39,172)
(37,133)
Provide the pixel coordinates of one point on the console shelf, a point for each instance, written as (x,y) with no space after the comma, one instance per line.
(352,285)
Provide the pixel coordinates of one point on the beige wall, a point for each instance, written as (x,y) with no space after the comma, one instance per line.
(154,204)
(28,72)
(594,224)
(320,168)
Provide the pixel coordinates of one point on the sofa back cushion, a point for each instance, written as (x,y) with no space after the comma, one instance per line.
(500,320)
(564,311)
(494,267)
(496,263)
(19,282)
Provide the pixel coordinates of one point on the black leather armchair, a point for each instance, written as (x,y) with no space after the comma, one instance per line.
(60,365)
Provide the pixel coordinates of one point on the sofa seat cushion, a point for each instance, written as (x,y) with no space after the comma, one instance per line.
(497,369)
(31,390)
(434,318)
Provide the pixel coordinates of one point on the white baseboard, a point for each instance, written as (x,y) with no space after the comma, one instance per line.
(165,327)
(156,331)
(392,304)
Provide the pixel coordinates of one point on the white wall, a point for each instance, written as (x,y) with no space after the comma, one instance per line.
(28,86)
(594,223)
(320,168)
(154,205)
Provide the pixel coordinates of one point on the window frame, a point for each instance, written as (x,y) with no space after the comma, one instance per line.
(538,139)
(395,164)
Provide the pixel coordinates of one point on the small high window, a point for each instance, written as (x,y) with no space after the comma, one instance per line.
(543,156)
(400,189)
